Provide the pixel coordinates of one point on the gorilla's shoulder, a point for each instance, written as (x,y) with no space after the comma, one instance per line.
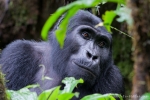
(22,48)
(114,72)
(16,47)
(115,79)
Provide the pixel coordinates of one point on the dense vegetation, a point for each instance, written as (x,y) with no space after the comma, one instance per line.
(125,53)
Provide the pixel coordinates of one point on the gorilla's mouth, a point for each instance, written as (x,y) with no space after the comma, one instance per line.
(84,68)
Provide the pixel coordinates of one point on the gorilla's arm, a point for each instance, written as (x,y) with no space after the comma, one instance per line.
(111,80)
(21,62)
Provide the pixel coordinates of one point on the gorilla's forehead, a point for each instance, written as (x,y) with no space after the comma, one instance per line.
(86,18)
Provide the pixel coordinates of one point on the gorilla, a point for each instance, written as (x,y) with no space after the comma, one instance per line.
(87,54)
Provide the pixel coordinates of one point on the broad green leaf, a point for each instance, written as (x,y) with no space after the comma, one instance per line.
(65,96)
(46,94)
(70,84)
(93,97)
(115,1)
(50,22)
(146,96)
(8,94)
(124,15)
(117,95)
(108,17)
(101,97)
(61,32)
(54,95)
(22,94)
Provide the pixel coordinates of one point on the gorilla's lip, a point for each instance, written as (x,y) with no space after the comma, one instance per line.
(85,68)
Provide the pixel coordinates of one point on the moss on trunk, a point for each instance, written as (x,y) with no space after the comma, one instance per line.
(2,88)
(141,46)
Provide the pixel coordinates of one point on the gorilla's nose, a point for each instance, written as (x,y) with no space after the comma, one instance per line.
(91,56)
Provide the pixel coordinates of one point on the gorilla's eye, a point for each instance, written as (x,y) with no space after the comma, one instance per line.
(101,44)
(86,35)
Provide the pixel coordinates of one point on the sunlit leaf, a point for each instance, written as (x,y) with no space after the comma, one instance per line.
(22,94)
(101,97)
(70,84)
(108,17)
(46,94)
(57,94)
(146,96)
(54,95)
(124,15)
(98,97)
(61,32)
(65,96)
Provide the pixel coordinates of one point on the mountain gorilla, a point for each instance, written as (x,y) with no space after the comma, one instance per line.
(87,54)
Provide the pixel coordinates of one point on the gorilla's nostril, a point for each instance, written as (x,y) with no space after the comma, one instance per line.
(95,57)
(89,55)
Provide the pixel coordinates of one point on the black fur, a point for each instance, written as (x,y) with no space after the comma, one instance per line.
(82,57)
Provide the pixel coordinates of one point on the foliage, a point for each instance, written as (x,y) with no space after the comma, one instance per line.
(108,18)
(22,94)
(101,97)
(56,93)
(71,83)
(122,58)
(2,87)
(146,96)
(125,14)
(70,10)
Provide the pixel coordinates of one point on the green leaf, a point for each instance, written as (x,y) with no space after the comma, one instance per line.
(61,32)
(101,97)
(8,94)
(115,1)
(46,94)
(92,97)
(116,95)
(54,17)
(124,15)
(65,96)
(98,97)
(54,95)
(108,17)
(146,96)
(22,94)
(70,84)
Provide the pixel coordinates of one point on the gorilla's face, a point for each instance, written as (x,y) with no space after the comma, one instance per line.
(93,49)
(86,50)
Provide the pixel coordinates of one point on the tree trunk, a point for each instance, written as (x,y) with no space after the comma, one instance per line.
(141,46)
(2,88)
